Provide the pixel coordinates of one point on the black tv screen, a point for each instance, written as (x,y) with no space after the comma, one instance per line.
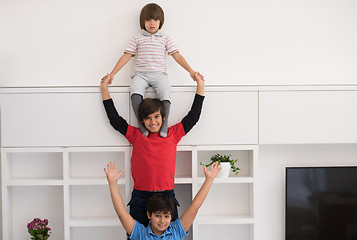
(321,203)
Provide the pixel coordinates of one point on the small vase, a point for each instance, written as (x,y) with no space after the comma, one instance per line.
(226,169)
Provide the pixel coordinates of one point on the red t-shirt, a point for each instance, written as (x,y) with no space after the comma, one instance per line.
(153,159)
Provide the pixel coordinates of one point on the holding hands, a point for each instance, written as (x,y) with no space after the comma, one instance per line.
(107,80)
(109,77)
(197,77)
(194,76)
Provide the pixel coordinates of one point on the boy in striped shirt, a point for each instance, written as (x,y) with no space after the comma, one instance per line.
(150,49)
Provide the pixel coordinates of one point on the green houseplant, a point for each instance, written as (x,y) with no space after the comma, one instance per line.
(224,159)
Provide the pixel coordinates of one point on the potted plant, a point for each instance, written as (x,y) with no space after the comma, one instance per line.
(38,229)
(226,163)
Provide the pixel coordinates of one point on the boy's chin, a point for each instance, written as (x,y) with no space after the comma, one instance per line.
(156,130)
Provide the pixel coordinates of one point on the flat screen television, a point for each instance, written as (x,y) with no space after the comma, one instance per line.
(321,203)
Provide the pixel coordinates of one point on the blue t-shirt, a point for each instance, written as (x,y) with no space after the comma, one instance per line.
(174,232)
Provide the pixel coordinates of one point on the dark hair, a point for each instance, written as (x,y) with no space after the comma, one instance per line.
(149,106)
(160,202)
(151,11)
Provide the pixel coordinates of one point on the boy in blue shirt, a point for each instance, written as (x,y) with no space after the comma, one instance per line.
(159,209)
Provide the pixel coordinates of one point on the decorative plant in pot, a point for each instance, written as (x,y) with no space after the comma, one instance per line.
(226,163)
(38,229)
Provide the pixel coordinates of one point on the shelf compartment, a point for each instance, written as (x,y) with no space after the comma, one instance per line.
(231,200)
(92,202)
(39,201)
(95,233)
(34,165)
(183,193)
(226,231)
(183,164)
(244,157)
(94,164)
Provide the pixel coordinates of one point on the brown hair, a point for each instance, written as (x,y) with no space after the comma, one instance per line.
(149,106)
(151,11)
(160,202)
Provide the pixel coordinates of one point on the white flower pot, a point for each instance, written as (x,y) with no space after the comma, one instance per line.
(226,169)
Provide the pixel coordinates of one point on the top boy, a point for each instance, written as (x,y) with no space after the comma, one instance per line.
(150,49)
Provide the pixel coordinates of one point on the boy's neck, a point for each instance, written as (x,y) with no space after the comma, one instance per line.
(149,33)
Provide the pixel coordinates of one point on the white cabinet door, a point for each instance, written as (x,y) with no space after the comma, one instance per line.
(295,117)
(227,117)
(59,119)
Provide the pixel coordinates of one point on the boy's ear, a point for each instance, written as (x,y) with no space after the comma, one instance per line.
(148,214)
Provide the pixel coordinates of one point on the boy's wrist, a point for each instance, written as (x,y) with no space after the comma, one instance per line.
(209,178)
(112,183)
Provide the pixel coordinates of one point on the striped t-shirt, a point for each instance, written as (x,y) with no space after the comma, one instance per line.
(150,51)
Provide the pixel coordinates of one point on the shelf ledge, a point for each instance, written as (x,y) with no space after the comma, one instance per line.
(94,222)
(229,180)
(183,180)
(95,181)
(245,219)
(33,182)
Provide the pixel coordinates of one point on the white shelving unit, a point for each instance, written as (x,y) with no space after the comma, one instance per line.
(231,201)
(74,181)
(74,190)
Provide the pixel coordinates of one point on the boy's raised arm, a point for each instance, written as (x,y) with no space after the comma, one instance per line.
(200,89)
(125,218)
(190,214)
(104,87)
(193,115)
(117,122)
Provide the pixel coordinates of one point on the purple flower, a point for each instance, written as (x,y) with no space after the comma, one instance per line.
(38,229)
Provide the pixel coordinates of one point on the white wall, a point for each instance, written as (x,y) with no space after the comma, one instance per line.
(74,43)
(271,170)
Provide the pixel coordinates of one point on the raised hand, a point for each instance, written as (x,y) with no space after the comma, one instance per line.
(213,171)
(111,172)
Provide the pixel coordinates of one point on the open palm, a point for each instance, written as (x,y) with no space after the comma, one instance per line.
(111,172)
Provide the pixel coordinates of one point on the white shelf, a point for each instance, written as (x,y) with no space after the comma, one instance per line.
(94,222)
(226,219)
(96,181)
(229,180)
(182,180)
(35,182)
